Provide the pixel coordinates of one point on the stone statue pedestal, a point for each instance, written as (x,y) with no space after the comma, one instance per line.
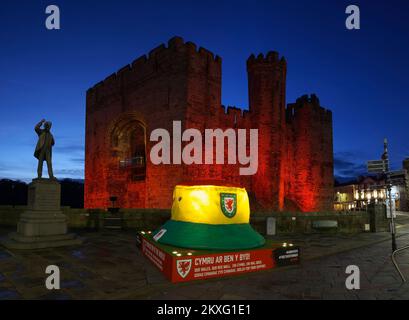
(42,225)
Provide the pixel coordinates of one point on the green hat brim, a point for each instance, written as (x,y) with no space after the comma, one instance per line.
(208,236)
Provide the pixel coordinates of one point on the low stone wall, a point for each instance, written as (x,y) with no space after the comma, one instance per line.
(139,219)
(288,223)
(9,215)
(150,219)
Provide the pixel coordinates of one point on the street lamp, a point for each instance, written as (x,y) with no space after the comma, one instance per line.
(389,188)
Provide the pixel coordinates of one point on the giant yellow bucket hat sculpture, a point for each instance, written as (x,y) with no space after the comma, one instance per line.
(209,217)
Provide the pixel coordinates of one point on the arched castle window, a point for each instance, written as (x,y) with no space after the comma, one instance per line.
(128,147)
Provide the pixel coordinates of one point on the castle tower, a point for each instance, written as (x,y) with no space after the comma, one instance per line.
(310,178)
(266,83)
(121,113)
(203,100)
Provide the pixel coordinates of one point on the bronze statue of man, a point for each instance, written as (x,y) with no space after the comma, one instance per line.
(44,146)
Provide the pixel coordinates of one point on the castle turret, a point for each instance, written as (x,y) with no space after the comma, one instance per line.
(310,185)
(267,77)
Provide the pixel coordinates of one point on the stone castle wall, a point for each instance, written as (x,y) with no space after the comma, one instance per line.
(179,82)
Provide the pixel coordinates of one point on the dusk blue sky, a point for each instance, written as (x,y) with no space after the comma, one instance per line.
(361,75)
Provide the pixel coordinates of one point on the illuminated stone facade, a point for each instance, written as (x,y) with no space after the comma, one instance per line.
(179,82)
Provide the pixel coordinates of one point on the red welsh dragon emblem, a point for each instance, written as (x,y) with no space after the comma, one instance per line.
(183,267)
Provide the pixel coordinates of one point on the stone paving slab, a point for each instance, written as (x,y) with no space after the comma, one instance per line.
(109,266)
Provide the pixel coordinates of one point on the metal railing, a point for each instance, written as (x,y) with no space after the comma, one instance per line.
(396,264)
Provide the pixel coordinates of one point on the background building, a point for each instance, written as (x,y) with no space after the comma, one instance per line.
(358,194)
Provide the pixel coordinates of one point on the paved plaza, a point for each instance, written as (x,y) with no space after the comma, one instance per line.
(110,266)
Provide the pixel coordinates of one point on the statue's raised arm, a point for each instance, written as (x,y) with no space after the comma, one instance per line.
(43,151)
(37,128)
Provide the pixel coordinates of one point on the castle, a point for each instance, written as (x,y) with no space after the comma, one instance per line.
(183,83)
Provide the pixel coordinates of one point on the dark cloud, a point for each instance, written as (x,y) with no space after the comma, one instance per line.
(340,163)
(70,172)
(345,167)
(78,160)
(10,167)
(353,172)
(347,154)
(69,148)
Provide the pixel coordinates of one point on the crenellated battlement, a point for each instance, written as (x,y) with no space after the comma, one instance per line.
(272,58)
(307,104)
(235,117)
(233,110)
(159,60)
(312,99)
